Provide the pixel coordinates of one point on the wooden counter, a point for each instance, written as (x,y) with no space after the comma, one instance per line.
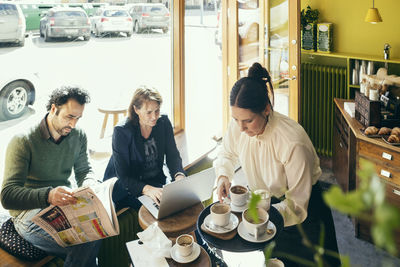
(349,146)
(356,126)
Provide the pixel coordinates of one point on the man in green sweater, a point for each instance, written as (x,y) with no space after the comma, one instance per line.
(38,165)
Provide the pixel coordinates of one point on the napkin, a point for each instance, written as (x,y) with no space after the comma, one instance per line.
(142,256)
(155,240)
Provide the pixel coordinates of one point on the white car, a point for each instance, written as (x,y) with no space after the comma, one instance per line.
(113,19)
(17,91)
(12,23)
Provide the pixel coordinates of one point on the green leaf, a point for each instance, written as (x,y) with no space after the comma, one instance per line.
(345,261)
(322,235)
(349,203)
(378,190)
(268,250)
(253,206)
(387,219)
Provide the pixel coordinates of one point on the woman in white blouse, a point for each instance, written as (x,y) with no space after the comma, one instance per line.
(276,154)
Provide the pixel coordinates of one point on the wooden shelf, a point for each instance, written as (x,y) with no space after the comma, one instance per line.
(351,55)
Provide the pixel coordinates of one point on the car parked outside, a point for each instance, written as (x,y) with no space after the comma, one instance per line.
(61,22)
(113,19)
(12,24)
(17,90)
(149,16)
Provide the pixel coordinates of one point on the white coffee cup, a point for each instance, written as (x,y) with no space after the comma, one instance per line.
(185,244)
(265,201)
(274,262)
(254,228)
(239,195)
(220,214)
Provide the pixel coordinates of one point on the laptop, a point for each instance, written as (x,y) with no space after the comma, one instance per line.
(181,194)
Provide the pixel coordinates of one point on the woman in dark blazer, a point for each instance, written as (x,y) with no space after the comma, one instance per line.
(139,145)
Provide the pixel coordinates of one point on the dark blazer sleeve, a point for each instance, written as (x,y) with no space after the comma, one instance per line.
(173,158)
(124,152)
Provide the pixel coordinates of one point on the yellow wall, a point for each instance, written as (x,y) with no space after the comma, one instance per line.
(353,35)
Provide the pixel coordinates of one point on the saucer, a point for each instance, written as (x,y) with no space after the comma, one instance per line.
(249,237)
(233,223)
(234,207)
(180,259)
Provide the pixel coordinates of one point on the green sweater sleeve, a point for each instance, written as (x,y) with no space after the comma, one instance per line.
(14,195)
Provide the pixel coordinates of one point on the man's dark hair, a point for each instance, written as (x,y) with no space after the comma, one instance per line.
(61,95)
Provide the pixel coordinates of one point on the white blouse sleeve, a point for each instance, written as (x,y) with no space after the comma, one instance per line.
(299,170)
(227,157)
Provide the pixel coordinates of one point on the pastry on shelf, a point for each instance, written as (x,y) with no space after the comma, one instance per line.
(371,130)
(396,131)
(393,139)
(384,131)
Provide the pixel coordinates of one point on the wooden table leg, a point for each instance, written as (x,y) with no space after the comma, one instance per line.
(103,128)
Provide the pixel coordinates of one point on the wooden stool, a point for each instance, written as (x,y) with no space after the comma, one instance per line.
(107,112)
(174,225)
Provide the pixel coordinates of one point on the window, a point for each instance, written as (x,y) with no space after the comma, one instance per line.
(203,71)
(110,66)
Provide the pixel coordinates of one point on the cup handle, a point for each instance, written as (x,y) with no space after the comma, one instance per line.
(256,233)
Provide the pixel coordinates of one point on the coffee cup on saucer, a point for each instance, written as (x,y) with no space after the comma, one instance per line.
(256,228)
(265,201)
(220,214)
(239,195)
(184,245)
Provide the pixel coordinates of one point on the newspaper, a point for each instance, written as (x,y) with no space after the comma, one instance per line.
(93,217)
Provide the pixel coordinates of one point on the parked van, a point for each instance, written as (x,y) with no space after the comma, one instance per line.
(12,24)
(149,16)
(70,22)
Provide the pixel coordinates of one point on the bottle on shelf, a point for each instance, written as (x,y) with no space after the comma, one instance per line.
(371,68)
(363,71)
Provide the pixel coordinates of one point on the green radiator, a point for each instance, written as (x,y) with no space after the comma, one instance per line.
(319,85)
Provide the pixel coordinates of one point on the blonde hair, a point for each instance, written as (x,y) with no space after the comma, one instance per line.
(142,94)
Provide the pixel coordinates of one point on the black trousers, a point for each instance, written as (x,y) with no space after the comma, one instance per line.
(290,242)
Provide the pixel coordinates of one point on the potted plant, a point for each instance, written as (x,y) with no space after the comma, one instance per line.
(308,21)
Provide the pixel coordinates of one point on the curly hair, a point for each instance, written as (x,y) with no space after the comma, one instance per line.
(61,95)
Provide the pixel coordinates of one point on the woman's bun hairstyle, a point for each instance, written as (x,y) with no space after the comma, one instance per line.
(257,71)
(252,92)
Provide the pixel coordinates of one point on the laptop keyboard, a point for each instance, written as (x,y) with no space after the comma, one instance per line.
(156,206)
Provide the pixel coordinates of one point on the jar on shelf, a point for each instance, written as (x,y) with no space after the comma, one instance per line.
(363,83)
(373,94)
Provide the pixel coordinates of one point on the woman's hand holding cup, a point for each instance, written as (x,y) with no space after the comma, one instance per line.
(223,186)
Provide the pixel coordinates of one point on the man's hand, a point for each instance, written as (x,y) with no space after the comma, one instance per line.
(61,196)
(223,187)
(154,193)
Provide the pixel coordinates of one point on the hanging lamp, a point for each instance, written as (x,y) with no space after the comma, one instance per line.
(373,15)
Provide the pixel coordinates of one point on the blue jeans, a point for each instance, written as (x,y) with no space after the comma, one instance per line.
(78,255)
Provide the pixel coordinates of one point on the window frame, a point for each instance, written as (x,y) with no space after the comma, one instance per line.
(178,64)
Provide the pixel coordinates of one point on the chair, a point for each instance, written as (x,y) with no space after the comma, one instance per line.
(108,111)
(16,251)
